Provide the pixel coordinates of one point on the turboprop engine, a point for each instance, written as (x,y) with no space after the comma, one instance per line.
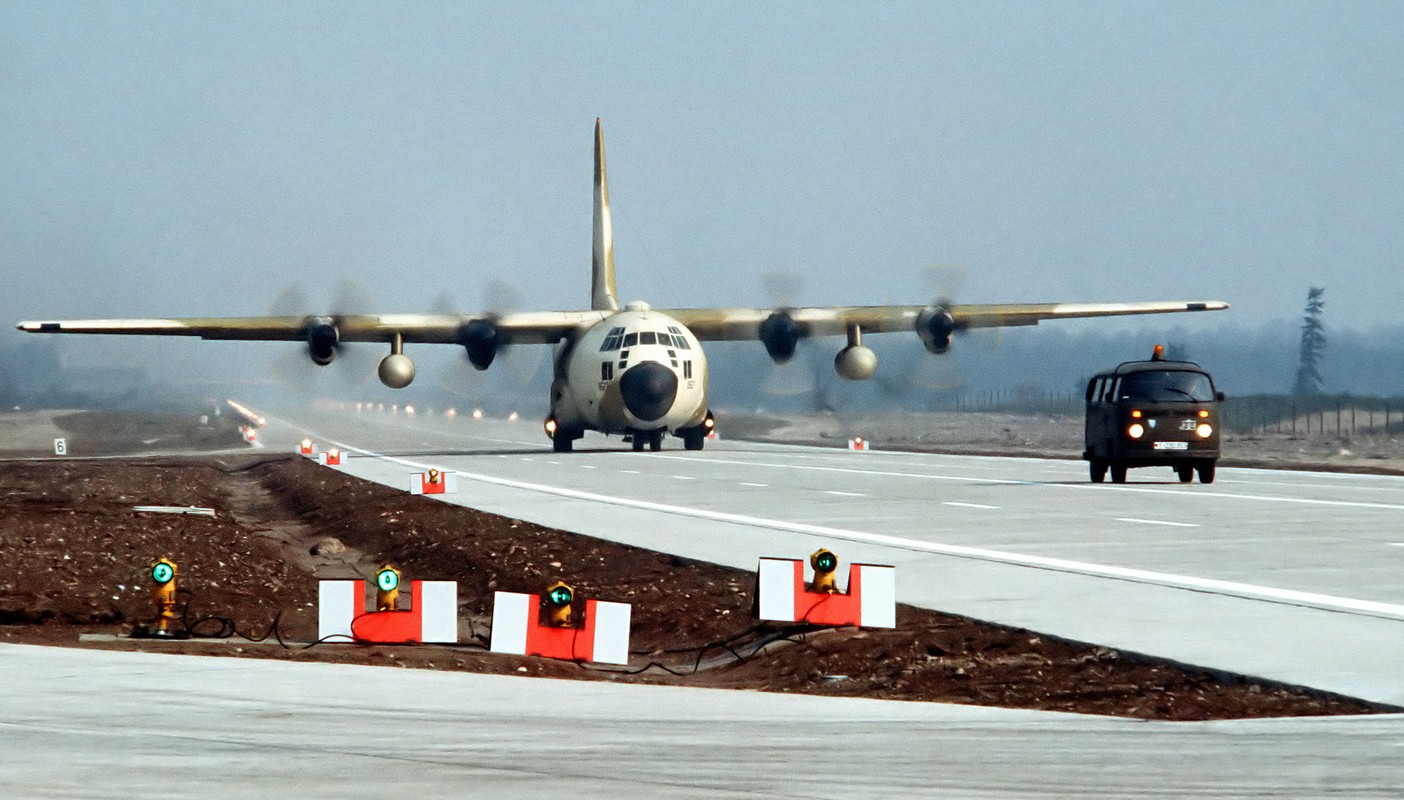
(480,339)
(935,325)
(322,340)
(780,334)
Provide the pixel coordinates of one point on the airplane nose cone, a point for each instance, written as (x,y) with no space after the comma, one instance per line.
(649,390)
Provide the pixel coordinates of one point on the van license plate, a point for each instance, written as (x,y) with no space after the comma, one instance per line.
(1172,445)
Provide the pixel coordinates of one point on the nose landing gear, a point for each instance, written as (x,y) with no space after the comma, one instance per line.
(654,440)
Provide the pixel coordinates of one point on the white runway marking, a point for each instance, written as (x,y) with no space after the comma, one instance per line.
(1157,522)
(757,485)
(684,478)
(629,471)
(844,494)
(981,506)
(1188,582)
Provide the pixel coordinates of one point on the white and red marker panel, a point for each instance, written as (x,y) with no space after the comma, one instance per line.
(870,601)
(603,637)
(431,618)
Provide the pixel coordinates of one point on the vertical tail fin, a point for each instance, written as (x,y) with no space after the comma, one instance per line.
(602,292)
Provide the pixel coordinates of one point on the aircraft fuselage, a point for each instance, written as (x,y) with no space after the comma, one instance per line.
(636,371)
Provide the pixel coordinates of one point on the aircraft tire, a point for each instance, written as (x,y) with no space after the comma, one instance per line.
(655,441)
(694,438)
(638,442)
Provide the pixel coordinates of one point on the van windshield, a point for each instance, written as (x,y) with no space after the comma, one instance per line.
(1168,386)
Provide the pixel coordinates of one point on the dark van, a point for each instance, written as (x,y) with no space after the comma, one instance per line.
(1155,413)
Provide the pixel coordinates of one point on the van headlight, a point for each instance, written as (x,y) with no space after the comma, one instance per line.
(1205,430)
(1136,431)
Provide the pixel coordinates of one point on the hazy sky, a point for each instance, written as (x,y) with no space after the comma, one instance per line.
(194,158)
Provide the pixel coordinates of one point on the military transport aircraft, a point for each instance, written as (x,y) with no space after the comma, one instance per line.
(638,371)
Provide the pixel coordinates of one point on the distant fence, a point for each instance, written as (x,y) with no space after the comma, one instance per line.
(1321,415)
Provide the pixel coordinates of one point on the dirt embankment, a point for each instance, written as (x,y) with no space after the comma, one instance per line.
(281,523)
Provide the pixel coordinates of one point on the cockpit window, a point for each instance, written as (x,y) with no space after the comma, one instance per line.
(679,341)
(1167,387)
(648,337)
(612,340)
(631,339)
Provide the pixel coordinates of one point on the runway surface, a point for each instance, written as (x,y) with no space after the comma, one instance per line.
(1284,575)
(84,723)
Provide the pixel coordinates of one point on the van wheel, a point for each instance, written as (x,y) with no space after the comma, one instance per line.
(1206,471)
(1118,473)
(1098,470)
(1186,473)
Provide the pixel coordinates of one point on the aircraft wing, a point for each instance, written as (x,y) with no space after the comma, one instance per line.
(531,327)
(735,324)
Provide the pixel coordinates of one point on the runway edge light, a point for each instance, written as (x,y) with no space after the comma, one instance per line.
(162,573)
(559,596)
(387,589)
(824,563)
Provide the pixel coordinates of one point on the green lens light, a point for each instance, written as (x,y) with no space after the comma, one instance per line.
(826,562)
(161,572)
(387,580)
(560,596)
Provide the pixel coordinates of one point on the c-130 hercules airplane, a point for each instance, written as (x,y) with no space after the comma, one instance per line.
(637,371)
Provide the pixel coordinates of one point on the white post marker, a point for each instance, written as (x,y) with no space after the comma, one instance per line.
(60,447)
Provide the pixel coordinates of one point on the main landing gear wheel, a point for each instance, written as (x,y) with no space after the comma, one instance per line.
(637,440)
(694,438)
(1118,473)
(1206,471)
(1098,470)
(655,441)
(1185,473)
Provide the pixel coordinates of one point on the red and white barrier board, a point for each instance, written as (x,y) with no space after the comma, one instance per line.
(603,638)
(442,483)
(249,433)
(858,443)
(306,448)
(870,602)
(432,616)
(331,458)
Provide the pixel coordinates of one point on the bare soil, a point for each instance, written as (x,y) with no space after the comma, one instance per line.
(77,555)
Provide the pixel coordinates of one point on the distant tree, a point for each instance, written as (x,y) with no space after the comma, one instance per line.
(1313,345)
(1176,351)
